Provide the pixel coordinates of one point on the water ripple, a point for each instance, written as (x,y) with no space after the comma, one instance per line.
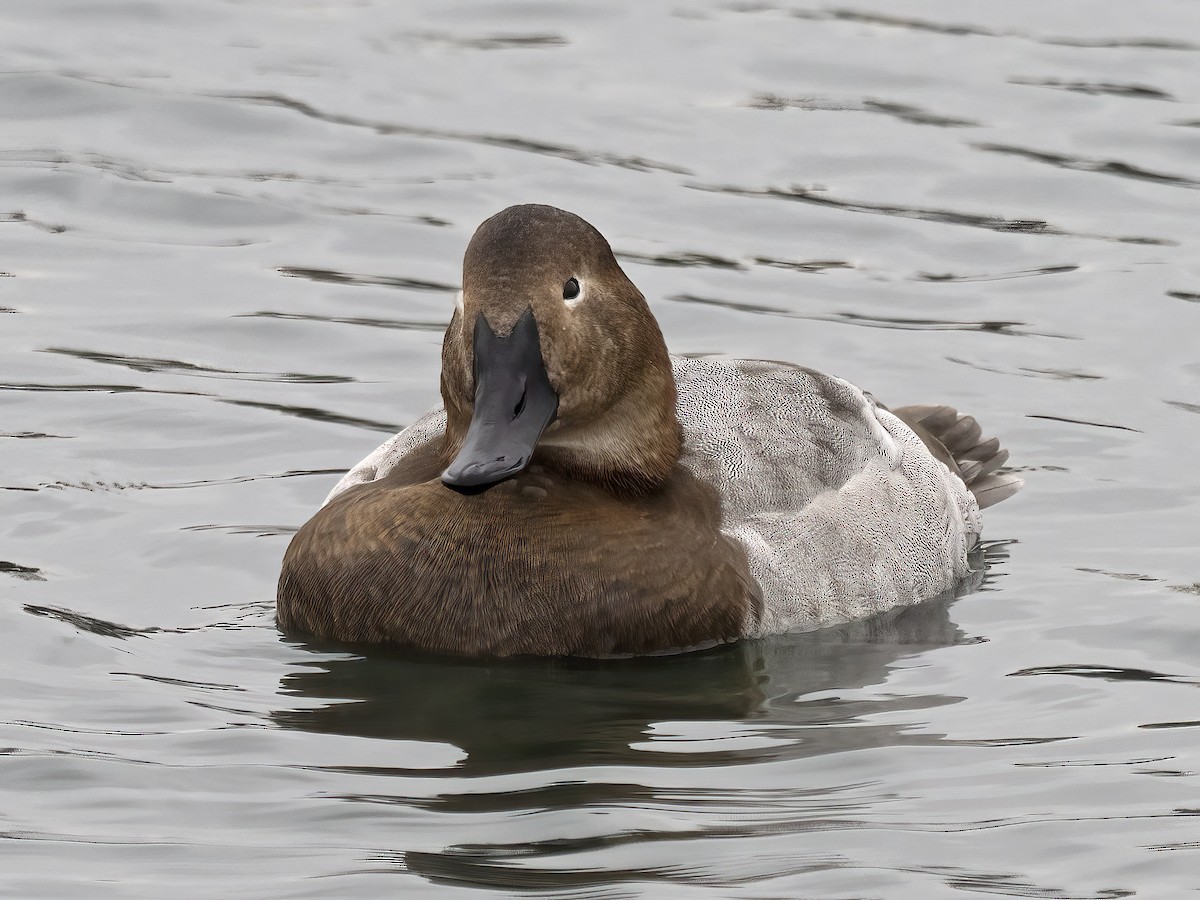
(1029,371)
(1090,424)
(106,628)
(809,265)
(331,276)
(995,276)
(507,142)
(183,682)
(90,624)
(954,29)
(944,216)
(1105,88)
(1107,673)
(305,412)
(137,170)
(683,260)
(25,573)
(116,486)
(316,414)
(255,530)
(849,318)
(176,367)
(20,217)
(912,114)
(1083,164)
(367,321)
(489,42)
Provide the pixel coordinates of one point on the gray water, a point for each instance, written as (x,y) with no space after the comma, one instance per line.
(230,233)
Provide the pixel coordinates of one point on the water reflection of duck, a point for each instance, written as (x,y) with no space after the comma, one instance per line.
(583,493)
(536,714)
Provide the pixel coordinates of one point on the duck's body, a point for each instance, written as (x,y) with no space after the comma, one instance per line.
(768,498)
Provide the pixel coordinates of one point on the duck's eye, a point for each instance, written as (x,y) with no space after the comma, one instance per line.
(571,289)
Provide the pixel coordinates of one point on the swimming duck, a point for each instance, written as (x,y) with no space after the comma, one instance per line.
(582,492)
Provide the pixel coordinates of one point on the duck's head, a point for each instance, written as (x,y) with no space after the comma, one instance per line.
(553,349)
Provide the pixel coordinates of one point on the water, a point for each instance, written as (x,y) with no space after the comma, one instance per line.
(229,237)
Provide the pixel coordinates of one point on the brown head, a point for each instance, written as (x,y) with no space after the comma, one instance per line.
(553,349)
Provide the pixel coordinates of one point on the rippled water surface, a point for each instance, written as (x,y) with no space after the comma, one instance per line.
(230,234)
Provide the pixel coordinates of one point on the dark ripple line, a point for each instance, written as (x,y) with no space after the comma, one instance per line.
(173,366)
(914,115)
(20,217)
(305,412)
(1098,88)
(316,414)
(506,142)
(1183,405)
(1070,421)
(184,683)
(91,624)
(468,869)
(1105,673)
(963,30)
(1120,576)
(943,216)
(683,260)
(105,628)
(69,729)
(1092,763)
(332,276)
(1185,295)
(256,530)
(501,865)
(401,324)
(55,158)
(97,388)
(139,170)
(491,42)
(1010,885)
(179,485)
(806,266)
(1028,371)
(1099,167)
(36,435)
(848,318)
(998,276)
(25,573)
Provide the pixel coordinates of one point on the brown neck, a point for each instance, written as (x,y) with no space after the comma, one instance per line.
(634,447)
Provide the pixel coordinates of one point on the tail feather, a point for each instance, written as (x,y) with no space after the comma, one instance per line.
(962,436)
(985,450)
(991,489)
(958,441)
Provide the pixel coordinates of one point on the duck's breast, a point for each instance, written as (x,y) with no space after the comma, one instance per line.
(539,564)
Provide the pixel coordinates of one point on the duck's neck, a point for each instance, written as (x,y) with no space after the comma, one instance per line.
(634,447)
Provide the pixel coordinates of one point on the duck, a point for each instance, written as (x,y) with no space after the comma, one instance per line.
(582,492)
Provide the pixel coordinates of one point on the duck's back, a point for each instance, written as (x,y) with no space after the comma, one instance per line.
(840,507)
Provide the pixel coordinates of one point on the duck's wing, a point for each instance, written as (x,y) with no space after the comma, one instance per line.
(771,436)
(841,508)
(414,443)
